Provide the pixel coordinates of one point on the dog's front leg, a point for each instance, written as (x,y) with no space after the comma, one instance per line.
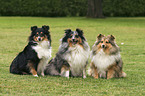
(84,73)
(31,68)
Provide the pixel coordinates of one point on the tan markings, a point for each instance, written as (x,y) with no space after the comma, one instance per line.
(111,71)
(94,70)
(64,68)
(69,42)
(79,40)
(108,47)
(31,68)
(45,38)
(105,42)
(35,38)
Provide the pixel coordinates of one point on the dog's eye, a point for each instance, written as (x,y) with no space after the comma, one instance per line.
(41,35)
(76,36)
(101,41)
(107,42)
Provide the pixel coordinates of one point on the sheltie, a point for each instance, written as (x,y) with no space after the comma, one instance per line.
(35,56)
(106,59)
(72,56)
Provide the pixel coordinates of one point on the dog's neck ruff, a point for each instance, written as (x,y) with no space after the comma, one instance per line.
(77,58)
(43,49)
(102,60)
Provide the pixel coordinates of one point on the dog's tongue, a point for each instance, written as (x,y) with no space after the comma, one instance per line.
(73,43)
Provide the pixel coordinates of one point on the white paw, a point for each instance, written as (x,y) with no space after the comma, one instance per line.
(35,75)
(84,76)
(42,74)
(67,74)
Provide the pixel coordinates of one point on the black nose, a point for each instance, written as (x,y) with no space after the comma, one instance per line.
(103,46)
(39,39)
(73,40)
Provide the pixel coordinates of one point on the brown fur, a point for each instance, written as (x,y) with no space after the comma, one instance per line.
(31,68)
(78,39)
(109,47)
(64,68)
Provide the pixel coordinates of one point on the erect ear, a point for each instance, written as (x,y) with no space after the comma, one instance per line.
(100,36)
(67,31)
(112,37)
(33,28)
(45,27)
(79,31)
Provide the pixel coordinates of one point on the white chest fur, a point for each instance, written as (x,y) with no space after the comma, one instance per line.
(77,59)
(43,49)
(102,61)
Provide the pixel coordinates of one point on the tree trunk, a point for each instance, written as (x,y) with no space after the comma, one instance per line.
(95,9)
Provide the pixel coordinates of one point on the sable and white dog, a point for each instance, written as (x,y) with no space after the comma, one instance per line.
(106,59)
(72,56)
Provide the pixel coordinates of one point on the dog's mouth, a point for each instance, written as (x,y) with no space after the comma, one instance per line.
(74,41)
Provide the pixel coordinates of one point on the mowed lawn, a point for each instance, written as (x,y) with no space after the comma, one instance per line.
(14,32)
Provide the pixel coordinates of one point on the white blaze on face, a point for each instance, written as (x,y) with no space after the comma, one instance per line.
(39,38)
(74,33)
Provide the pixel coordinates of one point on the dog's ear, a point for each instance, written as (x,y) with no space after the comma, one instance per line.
(67,31)
(79,31)
(112,37)
(100,36)
(33,28)
(45,27)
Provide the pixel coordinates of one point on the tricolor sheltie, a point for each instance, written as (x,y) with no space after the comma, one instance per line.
(35,56)
(72,56)
(106,59)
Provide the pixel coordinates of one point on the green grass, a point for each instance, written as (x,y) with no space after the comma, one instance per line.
(14,32)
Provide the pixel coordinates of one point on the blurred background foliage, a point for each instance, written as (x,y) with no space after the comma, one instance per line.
(62,8)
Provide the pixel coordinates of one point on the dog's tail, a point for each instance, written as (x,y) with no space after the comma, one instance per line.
(124,74)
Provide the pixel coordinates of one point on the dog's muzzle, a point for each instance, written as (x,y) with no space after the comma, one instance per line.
(39,38)
(103,46)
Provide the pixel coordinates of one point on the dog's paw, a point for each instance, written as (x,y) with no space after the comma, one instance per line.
(84,76)
(42,74)
(35,75)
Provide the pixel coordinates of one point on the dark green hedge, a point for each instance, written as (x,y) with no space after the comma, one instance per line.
(69,7)
(124,7)
(43,7)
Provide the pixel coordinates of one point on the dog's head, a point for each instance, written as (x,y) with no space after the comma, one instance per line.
(105,41)
(73,37)
(40,34)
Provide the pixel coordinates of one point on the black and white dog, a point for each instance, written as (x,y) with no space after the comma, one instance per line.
(35,56)
(72,56)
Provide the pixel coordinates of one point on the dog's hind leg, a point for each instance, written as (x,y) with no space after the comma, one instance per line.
(65,71)
(111,72)
(94,71)
(32,69)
